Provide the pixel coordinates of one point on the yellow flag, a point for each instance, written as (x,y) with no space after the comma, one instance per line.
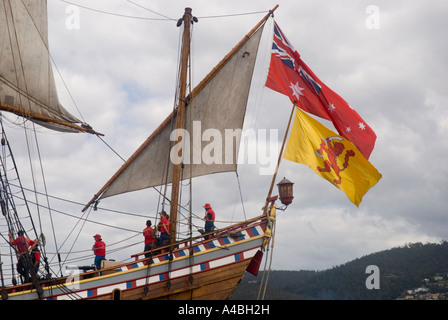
(331,157)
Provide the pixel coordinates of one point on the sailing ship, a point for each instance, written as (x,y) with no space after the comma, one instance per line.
(203,266)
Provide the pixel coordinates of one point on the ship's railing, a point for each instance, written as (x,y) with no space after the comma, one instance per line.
(203,238)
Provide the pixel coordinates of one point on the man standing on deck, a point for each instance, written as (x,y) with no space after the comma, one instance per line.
(148,233)
(164,227)
(99,249)
(209,219)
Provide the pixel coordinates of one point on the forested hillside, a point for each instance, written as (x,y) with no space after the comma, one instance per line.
(400,269)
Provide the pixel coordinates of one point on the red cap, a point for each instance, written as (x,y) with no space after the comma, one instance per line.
(98,236)
(207,206)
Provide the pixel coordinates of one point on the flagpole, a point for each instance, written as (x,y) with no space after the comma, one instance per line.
(265,209)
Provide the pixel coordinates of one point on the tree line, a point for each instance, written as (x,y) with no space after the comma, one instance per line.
(400,269)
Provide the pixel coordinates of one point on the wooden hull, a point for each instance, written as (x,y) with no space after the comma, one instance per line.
(216,284)
(198,269)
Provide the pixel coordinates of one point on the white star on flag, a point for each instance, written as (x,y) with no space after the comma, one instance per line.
(361,126)
(331,107)
(296,90)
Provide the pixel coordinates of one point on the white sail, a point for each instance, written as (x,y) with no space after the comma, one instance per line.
(219,105)
(27,85)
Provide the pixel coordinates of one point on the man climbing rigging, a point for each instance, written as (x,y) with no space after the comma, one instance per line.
(23,245)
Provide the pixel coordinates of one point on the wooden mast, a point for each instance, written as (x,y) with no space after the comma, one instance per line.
(180,121)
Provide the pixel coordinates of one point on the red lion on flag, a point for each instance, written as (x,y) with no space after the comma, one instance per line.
(333,149)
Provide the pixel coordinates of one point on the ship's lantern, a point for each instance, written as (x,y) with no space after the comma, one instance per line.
(285,191)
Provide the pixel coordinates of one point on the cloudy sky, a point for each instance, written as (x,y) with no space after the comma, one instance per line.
(386,58)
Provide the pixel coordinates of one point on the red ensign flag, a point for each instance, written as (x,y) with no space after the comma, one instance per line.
(289,75)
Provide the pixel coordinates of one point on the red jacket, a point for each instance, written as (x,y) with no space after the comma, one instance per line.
(22,244)
(148,234)
(99,248)
(164,225)
(210,215)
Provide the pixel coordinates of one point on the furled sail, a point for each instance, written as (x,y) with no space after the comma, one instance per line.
(217,106)
(27,86)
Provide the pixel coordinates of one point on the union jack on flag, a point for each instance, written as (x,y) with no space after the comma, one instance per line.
(283,49)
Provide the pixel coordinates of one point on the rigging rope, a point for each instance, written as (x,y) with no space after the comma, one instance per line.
(108,210)
(119,14)
(241,194)
(47,199)
(265,278)
(270,253)
(138,5)
(164,17)
(110,147)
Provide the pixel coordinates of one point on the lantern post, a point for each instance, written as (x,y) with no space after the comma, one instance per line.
(285,191)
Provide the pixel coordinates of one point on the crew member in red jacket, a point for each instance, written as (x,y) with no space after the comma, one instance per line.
(164,228)
(148,233)
(23,245)
(99,249)
(209,218)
